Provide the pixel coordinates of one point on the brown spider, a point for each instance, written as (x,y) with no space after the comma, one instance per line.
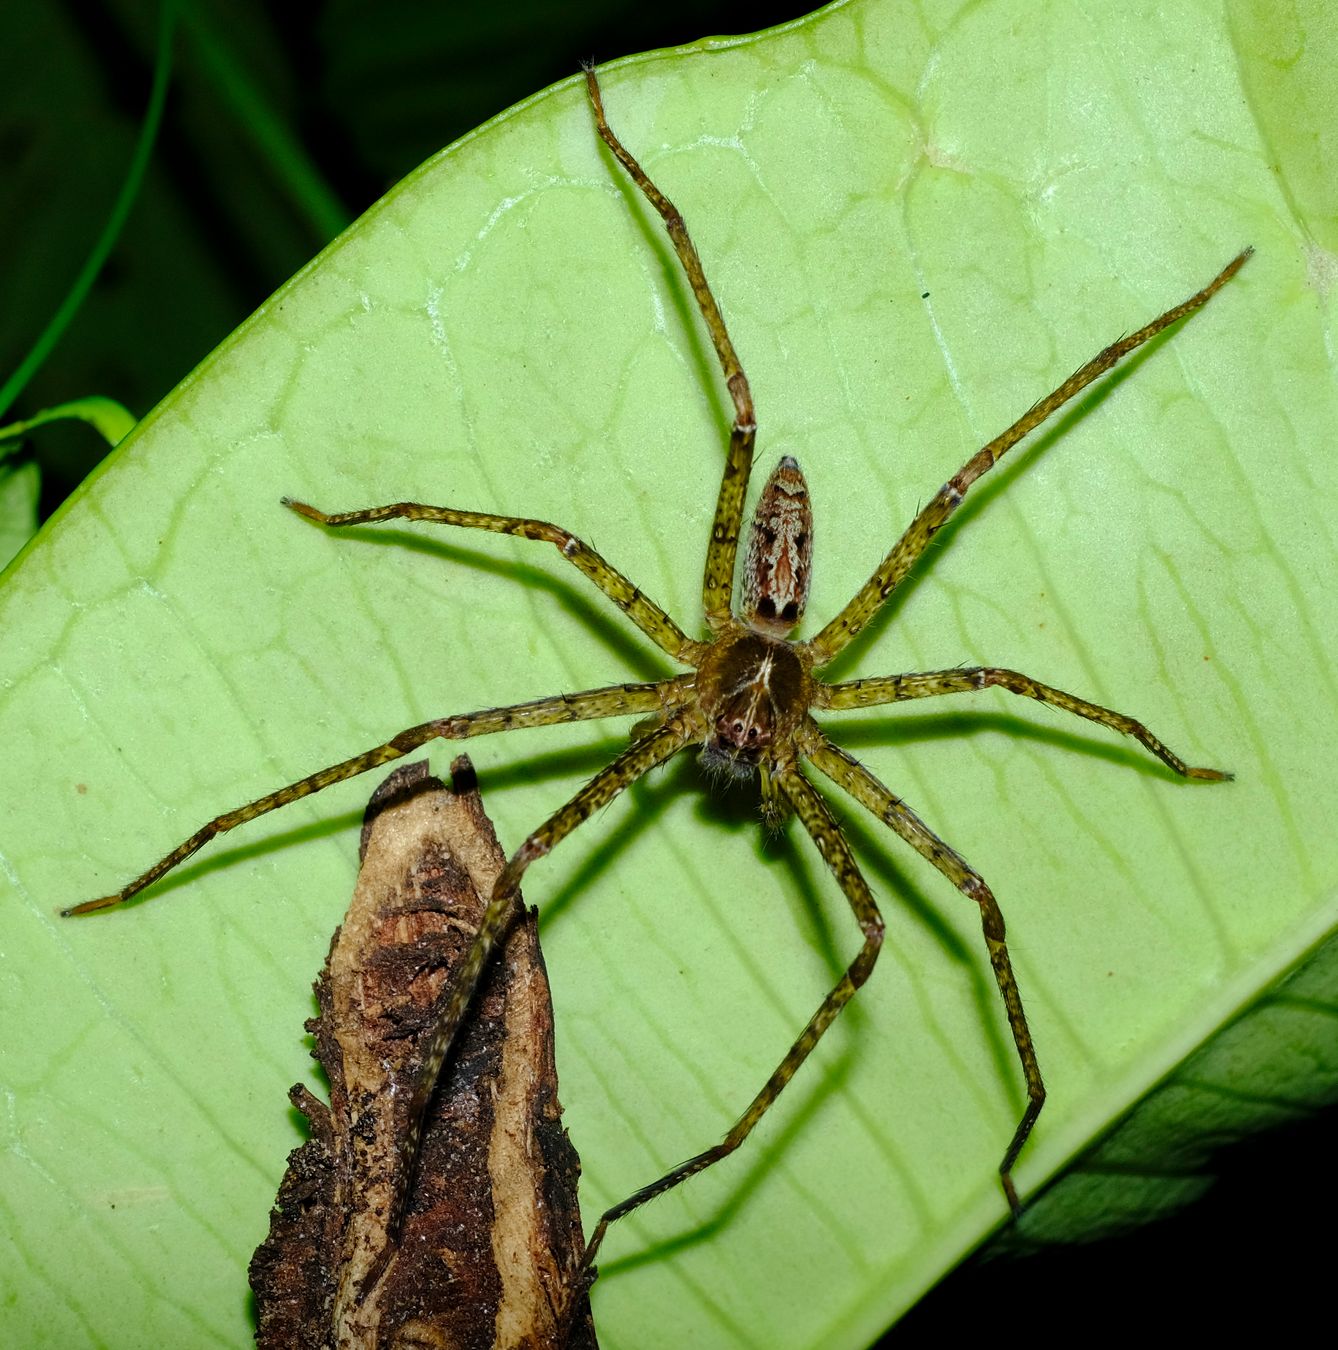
(747,700)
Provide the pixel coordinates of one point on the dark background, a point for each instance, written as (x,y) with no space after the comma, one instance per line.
(355,94)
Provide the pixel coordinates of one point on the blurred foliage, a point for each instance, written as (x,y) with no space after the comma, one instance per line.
(284,123)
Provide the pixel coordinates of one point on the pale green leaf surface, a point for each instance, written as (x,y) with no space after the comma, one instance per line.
(917,219)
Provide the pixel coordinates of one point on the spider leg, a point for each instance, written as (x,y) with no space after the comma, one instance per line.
(641,609)
(718,581)
(842,630)
(894,688)
(634,762)
(826,832)
(613,701)
(846,772)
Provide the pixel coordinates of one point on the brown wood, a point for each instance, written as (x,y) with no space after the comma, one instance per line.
(490,1244)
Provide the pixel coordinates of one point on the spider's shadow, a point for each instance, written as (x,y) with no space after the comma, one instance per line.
(961,723)
(692,330)
(605,624)
(671,283)
(578,765)
(836,936)
(997,482)
(646,797)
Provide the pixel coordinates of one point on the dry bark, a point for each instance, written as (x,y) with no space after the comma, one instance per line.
(490,1242)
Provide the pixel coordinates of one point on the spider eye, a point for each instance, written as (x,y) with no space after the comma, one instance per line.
(766,608)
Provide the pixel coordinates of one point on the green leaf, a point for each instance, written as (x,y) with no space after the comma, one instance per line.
(109,419)
(20,485)
(917,222)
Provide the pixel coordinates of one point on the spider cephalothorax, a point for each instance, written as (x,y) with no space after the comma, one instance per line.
(746,699)
(751,693)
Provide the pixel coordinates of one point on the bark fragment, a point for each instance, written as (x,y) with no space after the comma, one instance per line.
(491,1237)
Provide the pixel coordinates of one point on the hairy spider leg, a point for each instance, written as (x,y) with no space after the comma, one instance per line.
(848,773)
(718,580)
(640,608)
(851,621)
(880,689)
(612,701)
(680,728)
(822,825)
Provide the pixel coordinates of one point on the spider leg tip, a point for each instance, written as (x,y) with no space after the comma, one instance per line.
(90,906)
(1211,775)
(302,509)
(1010,1194)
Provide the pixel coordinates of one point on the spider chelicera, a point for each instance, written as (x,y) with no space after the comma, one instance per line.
(747,699)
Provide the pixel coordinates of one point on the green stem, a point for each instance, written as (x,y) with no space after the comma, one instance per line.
(125,199)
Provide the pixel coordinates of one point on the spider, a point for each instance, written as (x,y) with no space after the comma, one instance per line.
(747,700)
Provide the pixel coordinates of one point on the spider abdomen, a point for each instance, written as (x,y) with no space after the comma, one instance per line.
(779,565)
